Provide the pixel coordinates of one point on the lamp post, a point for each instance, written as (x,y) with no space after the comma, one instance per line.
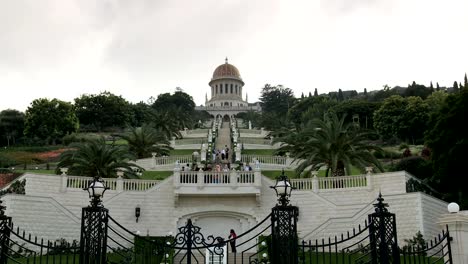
(284,224)
(96,191)
(94,219)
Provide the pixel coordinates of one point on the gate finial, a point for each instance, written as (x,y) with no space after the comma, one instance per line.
(380,206)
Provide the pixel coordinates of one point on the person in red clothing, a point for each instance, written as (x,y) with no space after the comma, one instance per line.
(233,236)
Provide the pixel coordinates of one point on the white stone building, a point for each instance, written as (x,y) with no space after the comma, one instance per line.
(227,93)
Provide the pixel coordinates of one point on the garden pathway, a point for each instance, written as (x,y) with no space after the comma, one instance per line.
(224,138)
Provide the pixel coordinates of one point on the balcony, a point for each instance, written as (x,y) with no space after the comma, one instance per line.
(231,183)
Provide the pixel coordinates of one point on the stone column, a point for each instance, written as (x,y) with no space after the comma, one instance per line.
(153,160)
(233,175)
(315,182)
(369,177)
(289,160)
(173,142)
(177,175)
(457,224)
(119,187)
(258,177)
(63,179)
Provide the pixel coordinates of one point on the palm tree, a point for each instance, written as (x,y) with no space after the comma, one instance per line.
(145,140)
(333,144)
(166,123)
(95,158)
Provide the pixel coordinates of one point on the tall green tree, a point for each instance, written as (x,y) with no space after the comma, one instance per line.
(276,99)
(310,108)
(100,111)
(466,82)
(143,141)
(449,143)
(455,87)
(140,113)
(315,92)
(437,87)
(405,118)
(388,117)
(362,109)
(340,95)
(50,119)
(331,143)
(95,158)
(417,90)
(11,125)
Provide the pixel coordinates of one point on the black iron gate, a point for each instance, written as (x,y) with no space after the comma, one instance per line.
(188,245)
(376,243)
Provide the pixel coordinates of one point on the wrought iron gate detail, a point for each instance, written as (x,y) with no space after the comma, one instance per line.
(383,235)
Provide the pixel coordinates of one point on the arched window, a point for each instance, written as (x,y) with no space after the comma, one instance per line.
(221,88)
(216,89)
(231,89)
(225,88)
(236,90)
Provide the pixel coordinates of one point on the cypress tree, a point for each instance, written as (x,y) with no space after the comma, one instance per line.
(340,95)
(431,87)
(437,87)
(310,95)
(466,82)
(455,87)
(316,92)
(302,95)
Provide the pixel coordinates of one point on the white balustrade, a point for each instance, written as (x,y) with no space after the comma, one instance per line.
(250,131)
(138,185)
(79,182)
(246,177)
(264,159)
(327,183)
(190,141)
(168,160)
(259,141)
(207,178)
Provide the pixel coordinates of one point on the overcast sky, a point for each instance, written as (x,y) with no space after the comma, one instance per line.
(141,48)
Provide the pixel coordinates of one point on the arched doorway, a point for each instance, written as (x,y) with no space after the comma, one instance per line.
(226,118)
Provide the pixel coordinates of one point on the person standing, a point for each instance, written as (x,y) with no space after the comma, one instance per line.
(233,237)
(227,152)
(223,154)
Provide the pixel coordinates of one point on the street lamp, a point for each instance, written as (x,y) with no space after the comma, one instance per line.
(96,190)
(283,189)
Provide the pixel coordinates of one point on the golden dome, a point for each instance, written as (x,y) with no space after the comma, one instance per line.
(226,70)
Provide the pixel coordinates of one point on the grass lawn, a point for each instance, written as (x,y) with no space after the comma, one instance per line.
(156,175)
(269,152)
(182,152)
(415,149)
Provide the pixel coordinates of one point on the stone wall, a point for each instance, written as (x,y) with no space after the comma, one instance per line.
(53,211)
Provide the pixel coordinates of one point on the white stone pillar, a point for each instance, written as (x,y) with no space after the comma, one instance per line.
(369,177)
(200,179)
(458,227)
(233,176)
(63,179)
(238,154)
(177,176)
(173,142)
(315,182)
(119,187)
(153,159)
(258,177)
(289,160)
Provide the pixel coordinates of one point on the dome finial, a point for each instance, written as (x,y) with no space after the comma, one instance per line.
(226,60)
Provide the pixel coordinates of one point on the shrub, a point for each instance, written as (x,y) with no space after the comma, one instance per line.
(416,165)
(388,154)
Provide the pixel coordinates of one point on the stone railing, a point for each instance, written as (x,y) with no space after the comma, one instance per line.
(251,131)
(258,141)
(214,108)
(264,159)
(116,184)
(219,183)
(317,184)
(190,141)
(168,160)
